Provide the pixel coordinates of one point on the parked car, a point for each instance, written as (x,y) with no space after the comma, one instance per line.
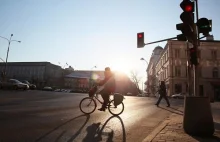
(14,84)
(178,96)
(32,86)
(47,88)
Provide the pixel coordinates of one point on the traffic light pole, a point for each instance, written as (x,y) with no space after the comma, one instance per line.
(197,18)
(196,44)
(188,71)
(160,40)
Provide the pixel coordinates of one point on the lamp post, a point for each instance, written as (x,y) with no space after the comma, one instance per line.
(145,61)
(146,69)
(6,61)
(2,60)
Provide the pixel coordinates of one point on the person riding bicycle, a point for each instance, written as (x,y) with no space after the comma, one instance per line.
(109,87)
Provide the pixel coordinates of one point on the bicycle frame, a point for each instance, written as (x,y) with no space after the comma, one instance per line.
(96,98)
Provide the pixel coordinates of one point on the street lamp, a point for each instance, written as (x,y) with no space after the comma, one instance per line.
(144,60)
(2,60)
(9,42)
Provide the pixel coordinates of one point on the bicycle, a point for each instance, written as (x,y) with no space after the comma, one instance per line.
(91,104)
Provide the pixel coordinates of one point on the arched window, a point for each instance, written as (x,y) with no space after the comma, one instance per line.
(215,72)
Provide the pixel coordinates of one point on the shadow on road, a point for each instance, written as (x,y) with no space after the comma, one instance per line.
(94,133)
(56,128)
(173,110)
(207,139)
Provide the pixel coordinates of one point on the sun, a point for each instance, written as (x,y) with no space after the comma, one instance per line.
(121,65)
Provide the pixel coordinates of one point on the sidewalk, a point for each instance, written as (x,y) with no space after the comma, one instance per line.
(171,130)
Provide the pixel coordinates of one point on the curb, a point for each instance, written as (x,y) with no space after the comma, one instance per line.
(157,130)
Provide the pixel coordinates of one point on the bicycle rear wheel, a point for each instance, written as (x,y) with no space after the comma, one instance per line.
(87,105)
(115,110)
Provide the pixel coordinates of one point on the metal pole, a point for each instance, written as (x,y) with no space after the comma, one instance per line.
(188,71)
(6,61)
(195,44)
(197,18)
(160,41)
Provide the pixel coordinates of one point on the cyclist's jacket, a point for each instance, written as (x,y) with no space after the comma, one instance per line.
(109,84)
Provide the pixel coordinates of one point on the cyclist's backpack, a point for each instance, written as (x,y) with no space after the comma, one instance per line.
(92,91)
(118,98)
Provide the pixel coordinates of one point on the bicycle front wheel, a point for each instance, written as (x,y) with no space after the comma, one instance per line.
(115,110)
(87,105)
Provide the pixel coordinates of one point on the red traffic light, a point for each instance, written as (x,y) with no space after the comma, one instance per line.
(140,40)
(140,35)
(187,6)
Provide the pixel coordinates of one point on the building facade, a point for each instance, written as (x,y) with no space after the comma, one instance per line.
(40,73)
(151,83)
(172,68)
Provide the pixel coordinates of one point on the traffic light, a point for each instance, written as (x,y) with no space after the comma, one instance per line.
(193,56)
(204,26)
(140,40)
(187,16)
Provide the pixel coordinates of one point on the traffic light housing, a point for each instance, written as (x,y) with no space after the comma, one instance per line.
(140,40)
(193,56)
(187,16)
(204,26)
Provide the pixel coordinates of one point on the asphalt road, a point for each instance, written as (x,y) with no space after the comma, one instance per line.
(55,117)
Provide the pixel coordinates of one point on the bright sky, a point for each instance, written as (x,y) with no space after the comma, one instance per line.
(87,33)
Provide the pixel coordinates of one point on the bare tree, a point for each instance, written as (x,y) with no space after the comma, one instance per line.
(135,79)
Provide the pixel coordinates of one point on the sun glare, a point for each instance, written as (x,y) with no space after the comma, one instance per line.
(121,65)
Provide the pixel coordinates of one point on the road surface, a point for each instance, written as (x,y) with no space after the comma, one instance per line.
(55,117)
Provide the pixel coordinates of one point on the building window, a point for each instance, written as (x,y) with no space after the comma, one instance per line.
(177,71)
(178,88)
(215,73)
(214,54)
(176,53)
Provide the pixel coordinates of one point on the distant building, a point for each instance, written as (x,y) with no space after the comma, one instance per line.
(151,82)
(172,68)
(40,73)
(83,80)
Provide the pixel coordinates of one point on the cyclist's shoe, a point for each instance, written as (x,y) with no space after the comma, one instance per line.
(101,109)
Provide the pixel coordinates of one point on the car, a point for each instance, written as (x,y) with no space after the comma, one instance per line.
(14,84)
(47,88)
(178,96)
(31,86)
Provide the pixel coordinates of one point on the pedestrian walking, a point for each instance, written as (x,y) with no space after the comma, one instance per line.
(163,94)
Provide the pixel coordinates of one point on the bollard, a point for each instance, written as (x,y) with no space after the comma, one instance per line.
(197,119)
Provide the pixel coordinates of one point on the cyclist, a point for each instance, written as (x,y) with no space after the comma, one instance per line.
(109,87)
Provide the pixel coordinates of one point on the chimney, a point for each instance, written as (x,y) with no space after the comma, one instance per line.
(210,37)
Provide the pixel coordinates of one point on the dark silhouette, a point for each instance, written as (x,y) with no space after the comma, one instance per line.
(109,87)
(65,123)
(173,111)
(163,94)
(95,132)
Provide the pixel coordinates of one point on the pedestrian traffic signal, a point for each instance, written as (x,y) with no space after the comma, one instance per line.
(187,16)
(140,40)
(204,26)
(193,56)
